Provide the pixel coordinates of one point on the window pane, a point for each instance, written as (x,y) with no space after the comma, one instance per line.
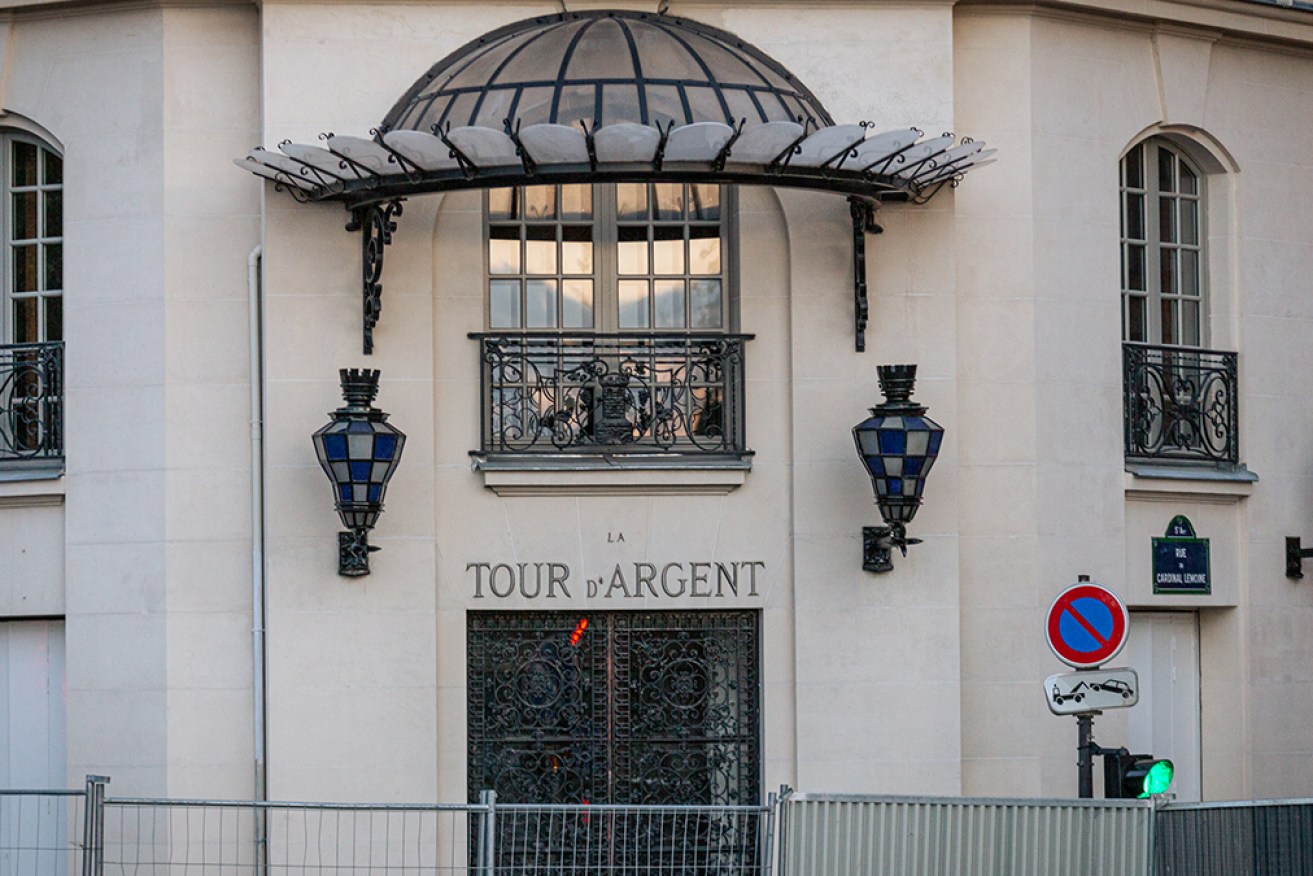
(1167,313)
(503,249)
(632,249)
(576,202)
(1134,162)
(540,249)
(667,249)
(54,318)
(703,249)
(540,304)
(576,249)
(54,220)
(1189,221)
(1167,278)
(1189,182)
(25,320)
(577,304)
(25,271)
(1166,171)
(1135,267)
(669,304)
(633,304)
(54,174)
(1138,330)
(704,304)
(54,265)
(704,202)
(540,202)
(1134,216)
(668,200)
(1189,260)
(504,304)
(24,216)
(1190,323)
(501,203)
(1167,220)
(631,202)
(24,164)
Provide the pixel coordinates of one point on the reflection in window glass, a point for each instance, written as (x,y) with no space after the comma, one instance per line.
(504,304)
(577,304)
(633,304)
(668,304)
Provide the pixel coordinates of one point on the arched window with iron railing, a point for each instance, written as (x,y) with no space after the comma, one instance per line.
(32,321)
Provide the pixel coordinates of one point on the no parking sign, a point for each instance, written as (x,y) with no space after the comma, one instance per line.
(1087,625)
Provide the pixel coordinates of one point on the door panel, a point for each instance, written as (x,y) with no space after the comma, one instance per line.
(1163,648)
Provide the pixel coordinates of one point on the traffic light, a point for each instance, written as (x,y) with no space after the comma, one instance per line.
(1127,775)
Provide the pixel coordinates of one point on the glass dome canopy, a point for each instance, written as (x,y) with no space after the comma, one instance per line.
(605,68)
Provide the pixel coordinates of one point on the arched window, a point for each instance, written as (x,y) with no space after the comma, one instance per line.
(1162,241)
(32,302)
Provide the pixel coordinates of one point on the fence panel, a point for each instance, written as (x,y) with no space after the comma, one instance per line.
(858,835)
(1267,837)
(142,837)
(41,832)
(633,840)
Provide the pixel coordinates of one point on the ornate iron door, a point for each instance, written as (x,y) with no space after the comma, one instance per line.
(615,707)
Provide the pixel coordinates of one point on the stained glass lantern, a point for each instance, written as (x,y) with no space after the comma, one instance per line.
(898,444)
(359,451)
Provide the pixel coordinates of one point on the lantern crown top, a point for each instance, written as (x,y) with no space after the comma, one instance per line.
(359,386)
(897,383)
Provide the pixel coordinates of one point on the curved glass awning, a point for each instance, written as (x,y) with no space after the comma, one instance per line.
(613,96)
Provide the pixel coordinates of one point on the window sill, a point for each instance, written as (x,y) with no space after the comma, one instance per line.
(26,482)
(1163,478)
(613,475)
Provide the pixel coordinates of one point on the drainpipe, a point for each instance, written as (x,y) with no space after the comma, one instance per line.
(258,648)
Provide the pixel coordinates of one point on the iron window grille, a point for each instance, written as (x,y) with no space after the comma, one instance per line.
(1180,404)
(31,401)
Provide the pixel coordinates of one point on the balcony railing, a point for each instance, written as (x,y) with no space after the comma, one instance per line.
(32,401)
(1181,404)
(612,394)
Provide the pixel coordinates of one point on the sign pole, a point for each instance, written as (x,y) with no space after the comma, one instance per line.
(1084,750)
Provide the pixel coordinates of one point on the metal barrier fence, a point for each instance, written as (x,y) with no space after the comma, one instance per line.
(859,835)
(46,831)
(81,833)
(1268,837)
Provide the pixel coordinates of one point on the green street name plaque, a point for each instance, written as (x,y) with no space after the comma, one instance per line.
(1181,561)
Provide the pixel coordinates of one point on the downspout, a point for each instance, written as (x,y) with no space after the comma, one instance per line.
(258,648)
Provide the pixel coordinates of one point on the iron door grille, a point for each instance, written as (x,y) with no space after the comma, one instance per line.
(634,708)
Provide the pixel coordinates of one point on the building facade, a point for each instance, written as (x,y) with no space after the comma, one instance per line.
(1109,322)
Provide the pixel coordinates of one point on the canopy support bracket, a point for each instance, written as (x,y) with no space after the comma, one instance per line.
(375,222)
(863,213)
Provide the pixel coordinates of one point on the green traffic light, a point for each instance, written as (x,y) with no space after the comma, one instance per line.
(1158,778)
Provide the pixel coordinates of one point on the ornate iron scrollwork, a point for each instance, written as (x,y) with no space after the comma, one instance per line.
(376,223)
(553,393)
(1180,404)
(32,401)
(863,214)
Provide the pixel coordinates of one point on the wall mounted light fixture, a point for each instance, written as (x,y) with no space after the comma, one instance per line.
(1296,554)
(359,451)
(898,444)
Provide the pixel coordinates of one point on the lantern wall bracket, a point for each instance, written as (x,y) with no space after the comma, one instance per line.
(878,543)
(353,550)
(863,214)
(376,222)
(1296,554)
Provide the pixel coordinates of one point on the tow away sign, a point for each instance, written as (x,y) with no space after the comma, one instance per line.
(1091,690)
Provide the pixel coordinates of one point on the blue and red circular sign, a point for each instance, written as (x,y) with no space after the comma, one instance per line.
(1087,625)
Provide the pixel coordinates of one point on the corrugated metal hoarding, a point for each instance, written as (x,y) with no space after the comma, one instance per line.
(858,835)
(1267,837)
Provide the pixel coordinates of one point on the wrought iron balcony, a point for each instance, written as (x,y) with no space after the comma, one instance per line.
(32,401)
(612,394)
(1181,403)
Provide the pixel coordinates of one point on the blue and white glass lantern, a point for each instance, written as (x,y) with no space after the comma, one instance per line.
(359,451)
(898,445)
